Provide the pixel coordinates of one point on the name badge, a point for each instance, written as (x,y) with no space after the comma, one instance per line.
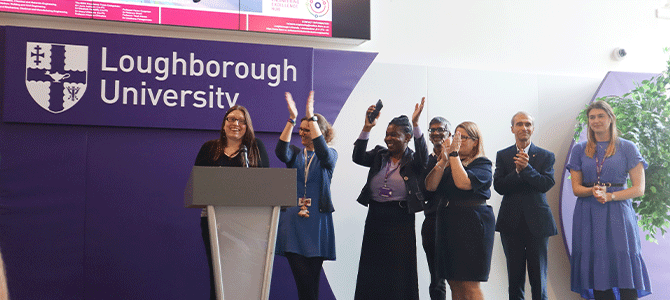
(385,192)
(304,201)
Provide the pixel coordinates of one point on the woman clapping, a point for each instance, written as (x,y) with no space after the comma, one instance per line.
(305,235)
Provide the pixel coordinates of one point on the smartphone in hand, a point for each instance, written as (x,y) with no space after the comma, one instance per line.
(373,115)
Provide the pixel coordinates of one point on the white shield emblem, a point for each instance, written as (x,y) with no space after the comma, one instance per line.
(56,74)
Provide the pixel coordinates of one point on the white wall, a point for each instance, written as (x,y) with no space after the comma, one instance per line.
(479,60)
(556,37)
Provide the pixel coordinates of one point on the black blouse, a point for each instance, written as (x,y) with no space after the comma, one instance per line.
(206,153)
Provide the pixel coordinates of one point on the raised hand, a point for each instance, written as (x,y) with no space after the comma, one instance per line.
(418,108)
(309,110)
(443,152)
(455,143)
(292,110)
(368,126)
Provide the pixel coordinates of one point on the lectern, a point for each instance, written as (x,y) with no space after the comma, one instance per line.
(243,210)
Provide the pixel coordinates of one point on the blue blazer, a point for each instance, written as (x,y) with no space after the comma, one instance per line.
(524,192)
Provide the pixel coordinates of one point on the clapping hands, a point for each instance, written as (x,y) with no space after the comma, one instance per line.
(293,111)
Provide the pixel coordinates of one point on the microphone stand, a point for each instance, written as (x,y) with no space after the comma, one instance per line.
(244,150)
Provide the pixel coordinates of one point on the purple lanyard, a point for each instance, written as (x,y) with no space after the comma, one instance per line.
(599,166)
(388,172)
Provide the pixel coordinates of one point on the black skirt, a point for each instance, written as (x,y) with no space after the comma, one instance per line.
(464,242)
(387,268)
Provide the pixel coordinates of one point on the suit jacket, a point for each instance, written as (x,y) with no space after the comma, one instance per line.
(524,192)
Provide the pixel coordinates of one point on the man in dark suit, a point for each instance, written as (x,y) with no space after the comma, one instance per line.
(524,173)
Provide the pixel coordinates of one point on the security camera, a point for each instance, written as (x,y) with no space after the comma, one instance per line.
(619,54)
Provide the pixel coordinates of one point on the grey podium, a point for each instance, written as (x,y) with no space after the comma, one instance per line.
(243,210)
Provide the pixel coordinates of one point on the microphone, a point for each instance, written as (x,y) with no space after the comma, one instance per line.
(243,150)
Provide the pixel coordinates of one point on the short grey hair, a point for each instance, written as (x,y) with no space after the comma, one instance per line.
(532,120)
(441,120)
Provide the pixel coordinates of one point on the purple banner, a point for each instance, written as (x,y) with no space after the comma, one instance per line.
(85,78)
(90,221)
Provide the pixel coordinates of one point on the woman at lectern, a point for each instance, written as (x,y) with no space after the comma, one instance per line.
(305,234)
(236,131)
(392,193)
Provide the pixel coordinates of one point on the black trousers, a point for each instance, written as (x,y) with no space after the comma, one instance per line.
(523,250)
(625,294)
(307,273)
(438,286)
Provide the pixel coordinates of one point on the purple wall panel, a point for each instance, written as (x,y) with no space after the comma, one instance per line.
(42,207)
(138,233)
(336,73)
(89,212)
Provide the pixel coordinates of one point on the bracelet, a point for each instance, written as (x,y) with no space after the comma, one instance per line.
(291,121)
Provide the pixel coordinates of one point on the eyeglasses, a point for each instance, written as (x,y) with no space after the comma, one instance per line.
(438,130)
(465,138)
(305,130)
(239,121)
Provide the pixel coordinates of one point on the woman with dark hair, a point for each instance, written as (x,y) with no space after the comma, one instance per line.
(236,131)
(606,259)
(305,235)
(392,193)
(465,223)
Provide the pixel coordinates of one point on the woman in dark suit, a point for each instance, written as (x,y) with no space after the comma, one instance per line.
(465,223)
(236,131)
(387,267)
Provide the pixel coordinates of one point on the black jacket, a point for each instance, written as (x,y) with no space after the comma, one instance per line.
(412,166)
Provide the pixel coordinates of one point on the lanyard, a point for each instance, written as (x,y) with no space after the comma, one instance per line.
(307,168)
(599,165)
(389,171)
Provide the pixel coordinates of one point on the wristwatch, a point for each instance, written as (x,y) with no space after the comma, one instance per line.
(314,118)
(454,153)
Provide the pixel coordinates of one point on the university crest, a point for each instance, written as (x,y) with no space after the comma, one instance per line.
(56,74)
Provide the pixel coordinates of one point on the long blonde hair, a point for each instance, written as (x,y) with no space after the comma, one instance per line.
(473,131)
(591,142)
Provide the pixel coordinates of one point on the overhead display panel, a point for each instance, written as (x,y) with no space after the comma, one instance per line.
(321,18)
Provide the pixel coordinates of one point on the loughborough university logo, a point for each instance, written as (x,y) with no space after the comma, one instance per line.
(56,74)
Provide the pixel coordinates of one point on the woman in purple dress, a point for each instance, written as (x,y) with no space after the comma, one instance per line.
(606,259)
